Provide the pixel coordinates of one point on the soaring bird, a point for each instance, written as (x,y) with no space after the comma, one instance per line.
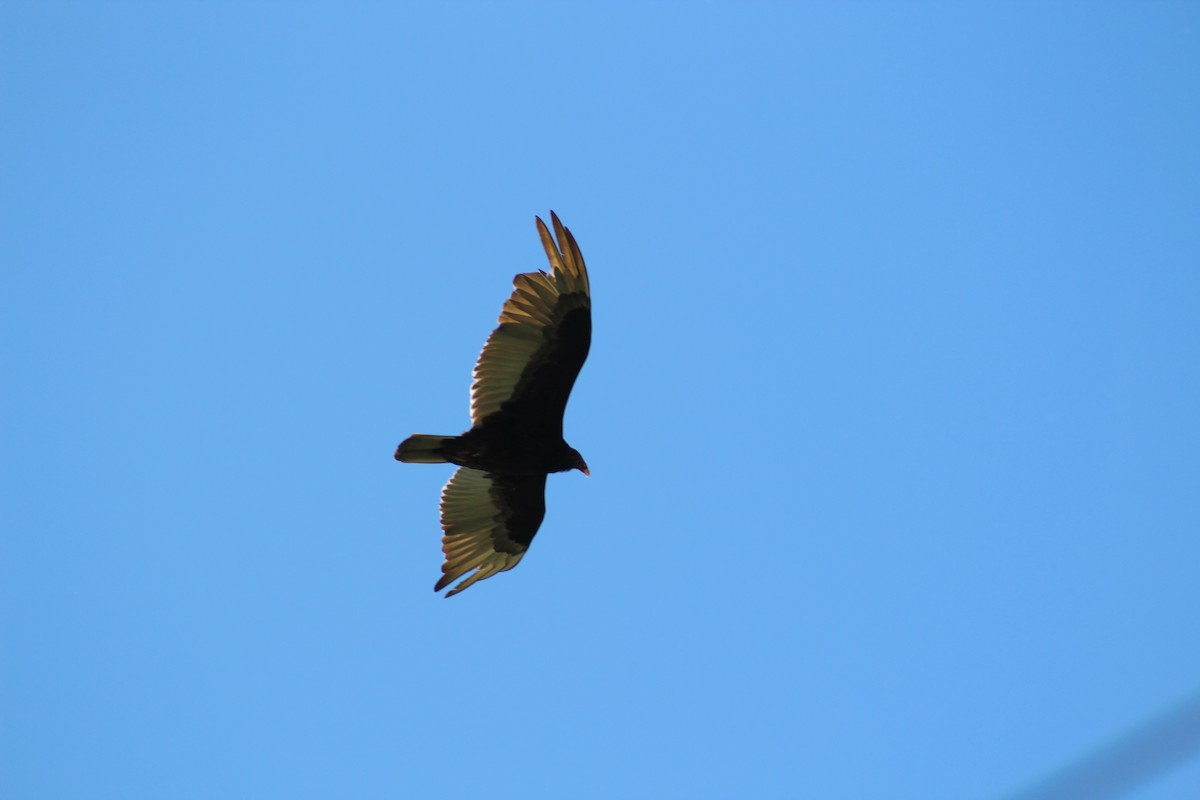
(492,506)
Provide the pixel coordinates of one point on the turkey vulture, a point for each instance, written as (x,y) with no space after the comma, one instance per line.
(492,506)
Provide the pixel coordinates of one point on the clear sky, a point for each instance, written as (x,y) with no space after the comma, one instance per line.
(891,411)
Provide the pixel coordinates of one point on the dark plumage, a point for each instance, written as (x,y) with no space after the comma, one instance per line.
(492,506)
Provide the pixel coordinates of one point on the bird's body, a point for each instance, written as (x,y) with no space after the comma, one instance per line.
(493,505)
(500,449)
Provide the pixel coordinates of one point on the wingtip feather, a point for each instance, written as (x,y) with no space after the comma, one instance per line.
(548,244)
(571,272)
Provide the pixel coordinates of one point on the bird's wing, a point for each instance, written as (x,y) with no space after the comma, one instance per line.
(489,521)
(530,362)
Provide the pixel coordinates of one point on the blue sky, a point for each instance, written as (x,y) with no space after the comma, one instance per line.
(891,406)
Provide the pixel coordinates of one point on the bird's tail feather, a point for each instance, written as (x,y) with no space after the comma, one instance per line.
(422,448)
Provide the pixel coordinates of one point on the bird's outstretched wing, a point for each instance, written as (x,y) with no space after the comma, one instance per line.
(489,521)
(530,362)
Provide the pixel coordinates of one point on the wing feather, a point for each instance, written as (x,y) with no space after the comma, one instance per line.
(534,356)
(489,521)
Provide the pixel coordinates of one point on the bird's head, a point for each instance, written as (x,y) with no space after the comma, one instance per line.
(578,463)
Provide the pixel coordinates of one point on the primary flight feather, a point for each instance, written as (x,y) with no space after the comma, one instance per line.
(492,506)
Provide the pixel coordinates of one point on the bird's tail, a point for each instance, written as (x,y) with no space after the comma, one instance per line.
(422,448)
